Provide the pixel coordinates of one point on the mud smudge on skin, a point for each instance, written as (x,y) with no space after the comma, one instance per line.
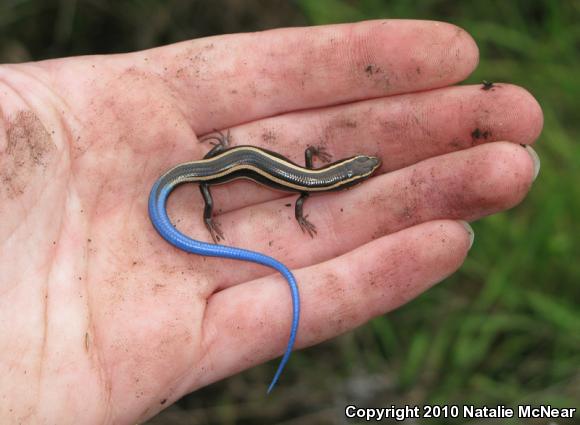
(28,139)
(28,150)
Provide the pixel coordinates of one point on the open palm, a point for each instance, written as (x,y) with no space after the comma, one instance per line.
(102,321)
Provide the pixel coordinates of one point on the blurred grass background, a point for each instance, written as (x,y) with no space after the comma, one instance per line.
(505,329)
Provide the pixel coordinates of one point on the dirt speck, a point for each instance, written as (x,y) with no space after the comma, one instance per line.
(479,134)
(347,123)
(455,143)
(487,85)
(269,136)
(372,69)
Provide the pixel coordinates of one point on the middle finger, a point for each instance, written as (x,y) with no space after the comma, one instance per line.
(462,185)
(401,130)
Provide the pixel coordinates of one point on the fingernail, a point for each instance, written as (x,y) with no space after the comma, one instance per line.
(470,231)
(535,158)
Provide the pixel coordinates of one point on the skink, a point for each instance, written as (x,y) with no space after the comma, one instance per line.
(223,164)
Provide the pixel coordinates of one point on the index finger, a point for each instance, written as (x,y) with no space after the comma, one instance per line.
(227,80)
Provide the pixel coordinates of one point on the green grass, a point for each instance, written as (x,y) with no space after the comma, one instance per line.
(505,328)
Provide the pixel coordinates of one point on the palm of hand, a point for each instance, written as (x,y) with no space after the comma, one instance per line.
(113,300)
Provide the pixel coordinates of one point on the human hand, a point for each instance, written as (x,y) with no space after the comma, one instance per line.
(100,318)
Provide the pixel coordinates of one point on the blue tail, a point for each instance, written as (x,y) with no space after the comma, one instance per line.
(163,225)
